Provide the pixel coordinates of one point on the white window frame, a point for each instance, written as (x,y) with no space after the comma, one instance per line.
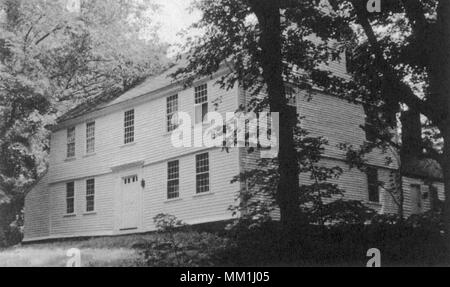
(71,143)
(173,177)
(90,137)
(171,109)
(200,173)
(128,123)
(201,102)
(90,194)
(72,198)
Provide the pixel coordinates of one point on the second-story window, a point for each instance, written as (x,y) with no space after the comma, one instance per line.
(370,130)
(372,183)
(173,182)
(201,103)
(71,142)
(172,108)
(90,137)
(202,171)
(129,127)
(90,195)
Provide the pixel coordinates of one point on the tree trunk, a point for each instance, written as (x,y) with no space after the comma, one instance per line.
(440,96)
(446,173)
(268,14)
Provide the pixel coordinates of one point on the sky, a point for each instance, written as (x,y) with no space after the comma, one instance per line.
(174,17)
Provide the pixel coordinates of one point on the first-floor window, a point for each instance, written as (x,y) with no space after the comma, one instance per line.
(90,195)
(70,197)
(202,172)
(372,182)
(173,182)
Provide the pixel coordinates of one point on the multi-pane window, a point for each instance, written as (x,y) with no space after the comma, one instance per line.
(90,195)
(202,172)
(372,182)
(129,127)
(172,108)
(201,103)
(130,179)
(70,197)
(90,137)
(173,179)
(71,142)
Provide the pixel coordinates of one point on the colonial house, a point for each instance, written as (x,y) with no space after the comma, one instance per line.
(113,166)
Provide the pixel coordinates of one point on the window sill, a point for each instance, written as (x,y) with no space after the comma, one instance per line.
(373,203)
(203,194)
(89,155)
(70,159)
(128,145)
(70,215)
(173,200)
(90,213)
(168,134)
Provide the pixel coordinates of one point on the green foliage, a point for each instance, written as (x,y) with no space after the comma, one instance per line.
(321,199)
(177,246)
(53,59)
(401,244)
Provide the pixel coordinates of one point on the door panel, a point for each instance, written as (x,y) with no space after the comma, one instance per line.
(130,202)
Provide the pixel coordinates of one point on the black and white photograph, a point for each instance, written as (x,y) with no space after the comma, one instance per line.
(224,133)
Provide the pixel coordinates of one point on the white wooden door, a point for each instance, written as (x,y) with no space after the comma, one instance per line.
(130,202)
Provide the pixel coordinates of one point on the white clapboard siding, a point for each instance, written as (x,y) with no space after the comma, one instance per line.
(338,121)
(37,204)
(45,206)
(152,147)
(190,207)
(426,204)
(152,142)
(100,221)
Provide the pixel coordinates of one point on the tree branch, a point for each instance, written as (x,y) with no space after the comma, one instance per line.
(405,94)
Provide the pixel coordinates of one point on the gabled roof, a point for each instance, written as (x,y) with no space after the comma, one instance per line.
(151,84)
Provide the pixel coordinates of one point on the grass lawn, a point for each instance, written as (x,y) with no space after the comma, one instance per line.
(100,251)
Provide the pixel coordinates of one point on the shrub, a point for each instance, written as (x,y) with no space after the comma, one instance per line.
(177,245)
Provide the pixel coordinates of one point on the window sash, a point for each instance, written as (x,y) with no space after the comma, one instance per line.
(70,197)
(202,173)
(172,108)
(200,113)
(173,188)
(129,126)
(202,182)
(201,94)
(71,142)
(90,137)
(173,182)
(90,195)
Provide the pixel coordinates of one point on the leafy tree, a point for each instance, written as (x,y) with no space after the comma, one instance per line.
(399,62)
(320,200)
(268,43)
(53,59)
